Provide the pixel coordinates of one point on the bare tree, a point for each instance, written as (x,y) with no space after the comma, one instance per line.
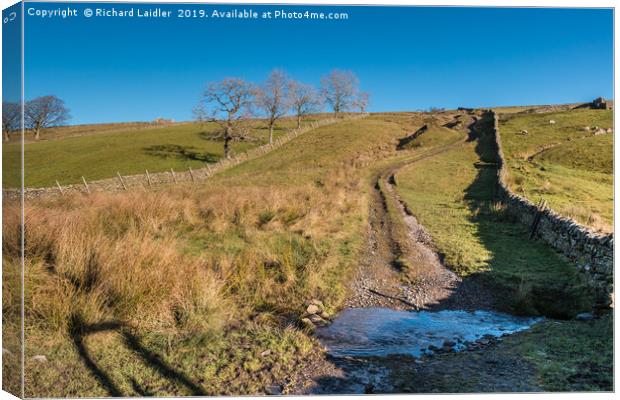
(273,98)
(11,117)
(304,99)
(44,112)
(227,103)
(362,100)
(339,89)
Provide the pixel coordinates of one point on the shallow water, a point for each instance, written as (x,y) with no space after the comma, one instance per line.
(382,331)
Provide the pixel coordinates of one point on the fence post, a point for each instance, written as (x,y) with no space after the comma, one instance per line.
(86,185)
(148,177)
(542,205)
(120,178)
(59,188)
(191,174)
(174,177)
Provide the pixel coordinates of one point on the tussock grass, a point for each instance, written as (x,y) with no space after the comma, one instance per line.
(205,278)
(184,265)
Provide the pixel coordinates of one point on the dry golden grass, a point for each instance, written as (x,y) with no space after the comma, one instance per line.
(206,276)
(131,257)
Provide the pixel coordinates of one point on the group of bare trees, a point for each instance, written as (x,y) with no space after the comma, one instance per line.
(233,100)
(40,113)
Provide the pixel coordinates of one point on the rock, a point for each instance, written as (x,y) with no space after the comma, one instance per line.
(600,131)
(313,309)
(317,303)
(586,128)
(449,343)
(265,353)
(524,132)
(584,316)
(273,390)
(316,320)
(609,130)
(307,323)
(40,358)
(551,121)
(325,315)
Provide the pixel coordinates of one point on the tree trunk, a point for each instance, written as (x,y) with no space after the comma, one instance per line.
(270,132)
(6,135)
(37,134)
(298,121)
(227,137)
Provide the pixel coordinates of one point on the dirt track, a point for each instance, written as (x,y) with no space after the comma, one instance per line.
(380,284)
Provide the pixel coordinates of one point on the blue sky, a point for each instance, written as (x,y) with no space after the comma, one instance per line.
(408,58)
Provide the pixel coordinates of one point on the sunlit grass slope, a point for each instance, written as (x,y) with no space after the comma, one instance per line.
(563,162)
(195,289)
(453,195)
(98,154)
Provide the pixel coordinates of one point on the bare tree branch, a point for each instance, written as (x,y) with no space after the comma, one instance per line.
(304,99)
(362,100)
(11,117)
(227,103)
(273,98)
(44,112)
(339,89)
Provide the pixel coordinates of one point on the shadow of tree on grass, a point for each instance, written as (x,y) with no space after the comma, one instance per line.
(78,330)
(182,152)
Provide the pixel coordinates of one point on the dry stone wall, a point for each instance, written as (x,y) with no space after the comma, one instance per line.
(121,183)
(591,251)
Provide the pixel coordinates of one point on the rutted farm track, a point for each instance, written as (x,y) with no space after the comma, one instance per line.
(401,269)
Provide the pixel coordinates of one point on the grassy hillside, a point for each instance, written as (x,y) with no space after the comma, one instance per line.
(563,162)
(453,195)
(196,290)
(100,153)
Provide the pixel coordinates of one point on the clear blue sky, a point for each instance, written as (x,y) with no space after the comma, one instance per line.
(129,69)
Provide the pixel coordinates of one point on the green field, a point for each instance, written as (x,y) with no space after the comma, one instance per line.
(98,154)
(198,289)
(563,163)
(453,195)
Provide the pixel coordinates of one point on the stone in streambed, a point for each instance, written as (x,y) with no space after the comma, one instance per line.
(313,309)
(318,321)
(307,323)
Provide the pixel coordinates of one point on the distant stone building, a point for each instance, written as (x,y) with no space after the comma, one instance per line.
(600,104)
(163,121)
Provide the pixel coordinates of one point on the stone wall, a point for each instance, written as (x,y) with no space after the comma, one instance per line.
(592,252)
(121,183)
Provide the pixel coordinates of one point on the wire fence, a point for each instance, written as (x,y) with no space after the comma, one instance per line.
(151,179)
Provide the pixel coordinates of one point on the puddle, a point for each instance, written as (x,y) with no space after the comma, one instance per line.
(382,331)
